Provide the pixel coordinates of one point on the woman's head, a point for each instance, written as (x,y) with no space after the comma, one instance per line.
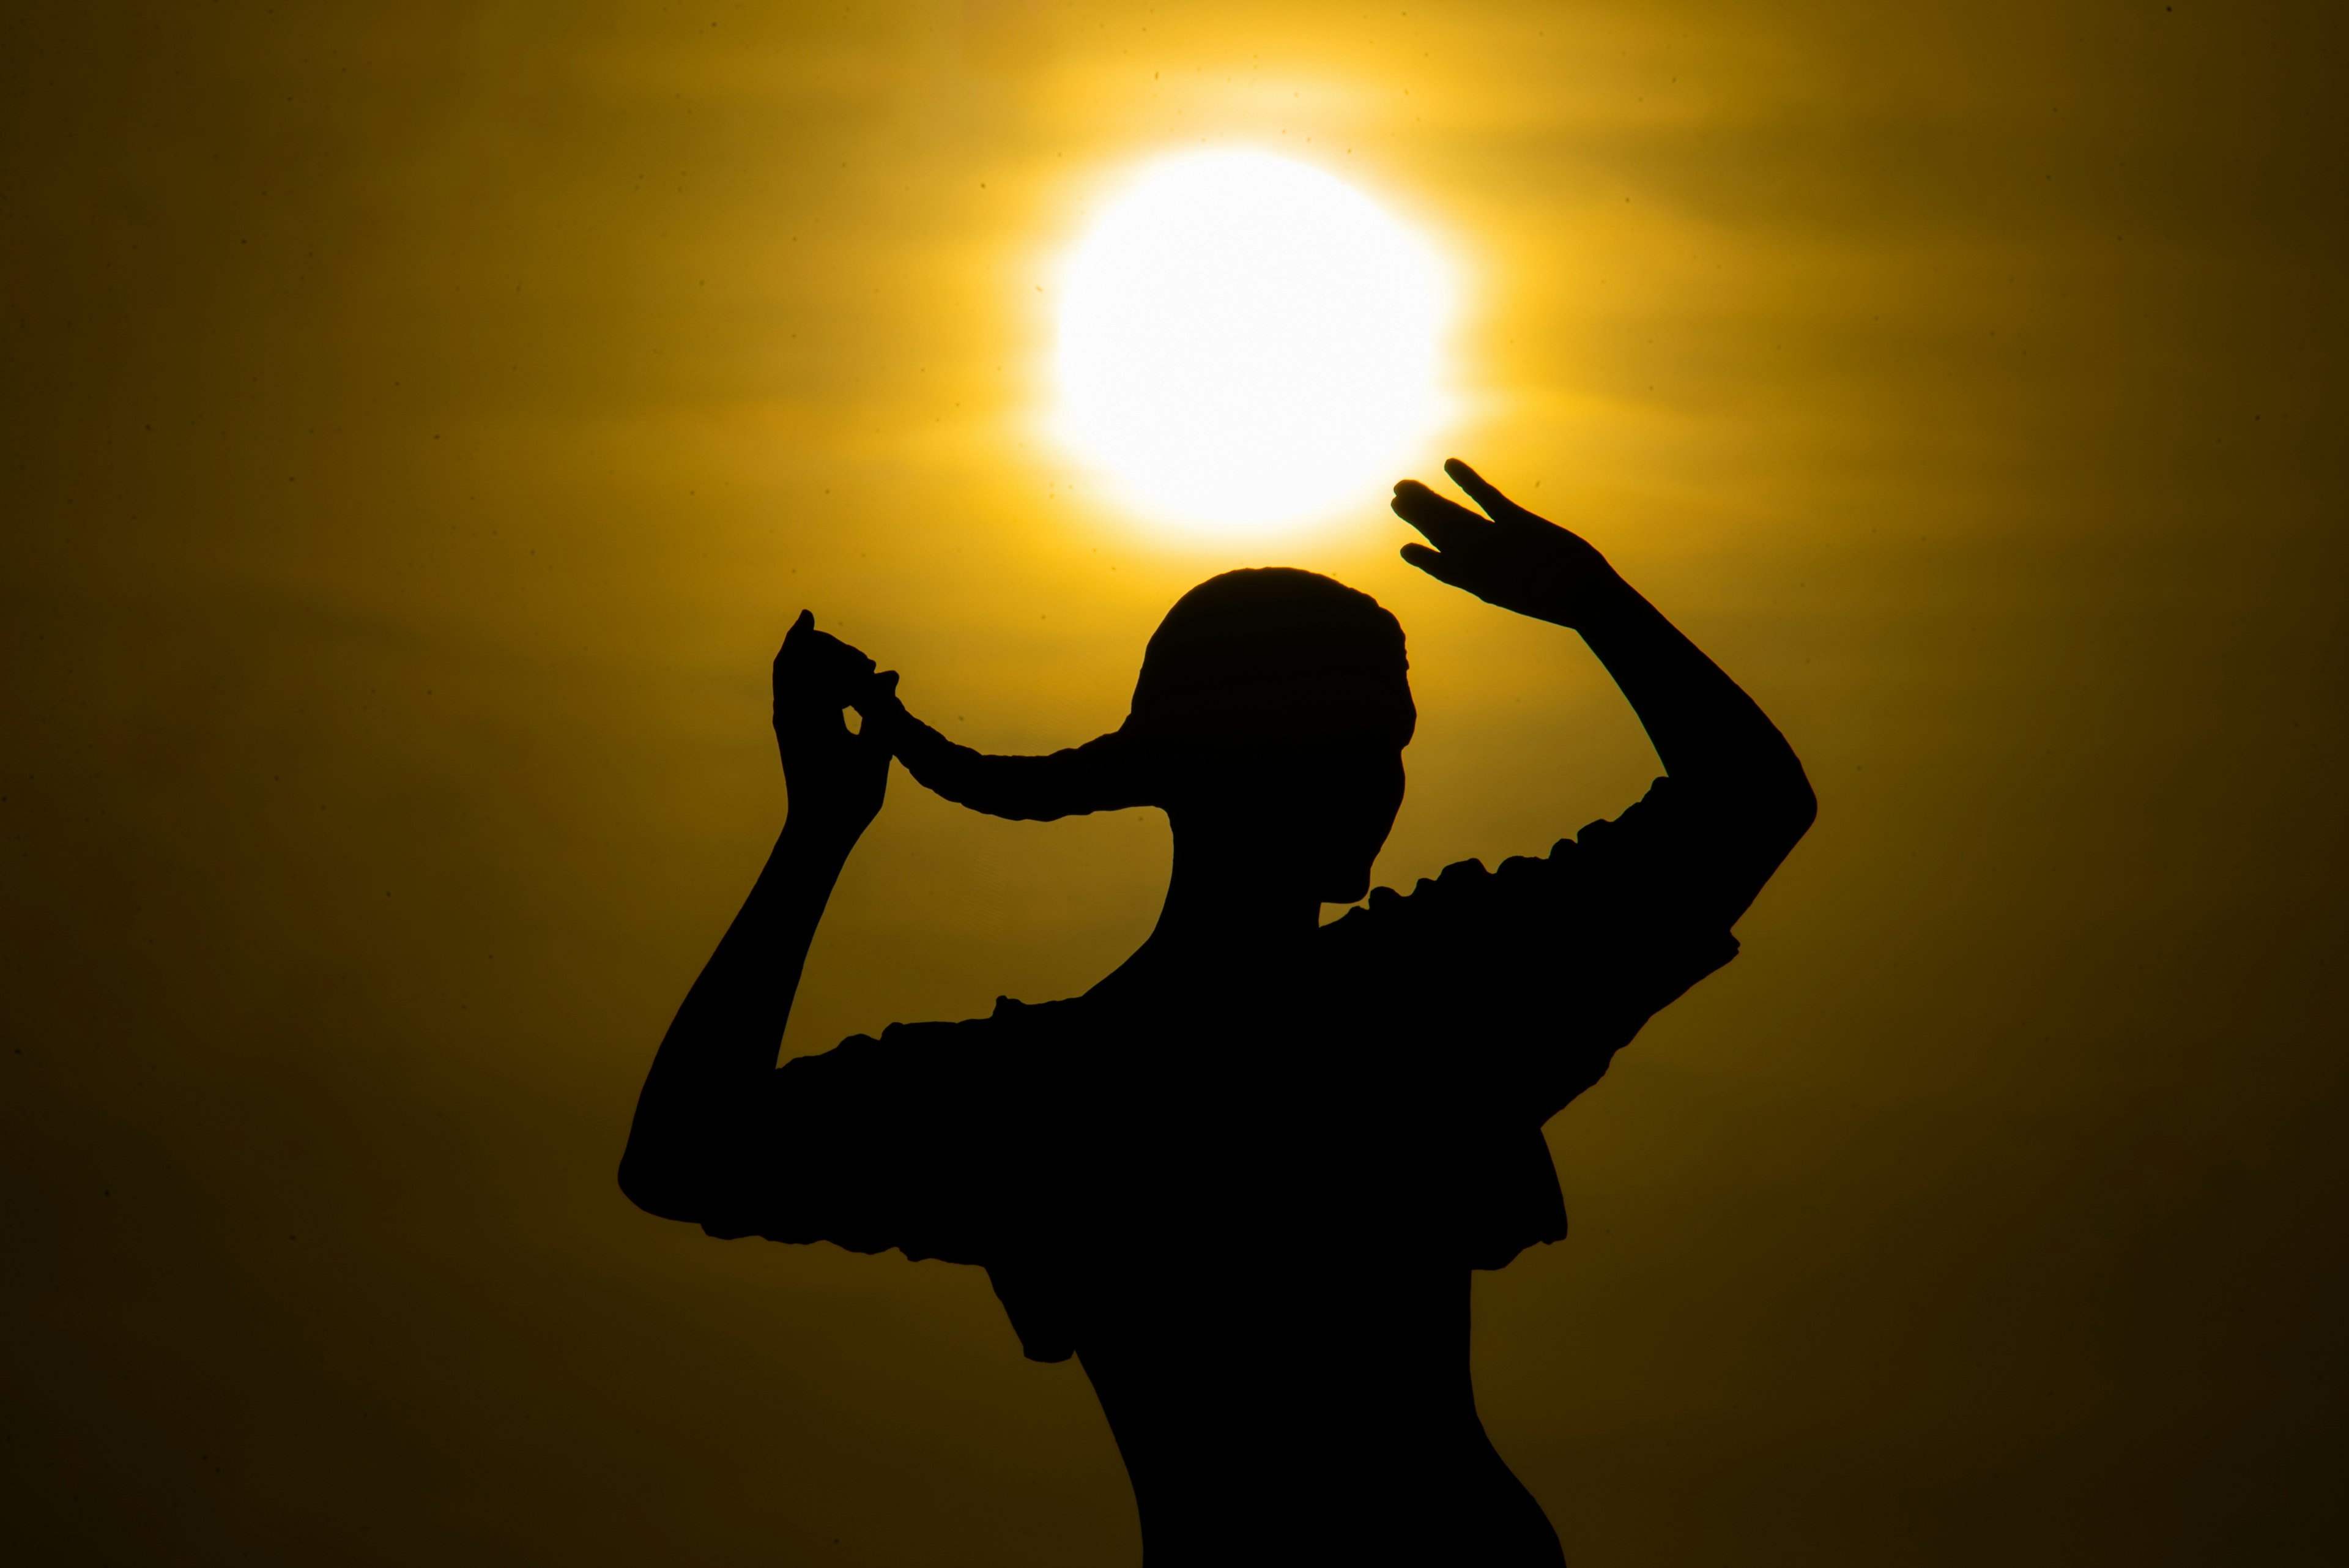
(1273,654)
(1274,706)
(1270,715)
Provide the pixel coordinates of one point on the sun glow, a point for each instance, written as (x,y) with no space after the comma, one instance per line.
(1247,344)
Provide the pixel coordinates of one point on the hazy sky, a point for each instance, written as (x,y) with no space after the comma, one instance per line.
(422,421)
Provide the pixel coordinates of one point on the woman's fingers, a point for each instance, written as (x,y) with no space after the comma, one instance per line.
(1443,569)
(878,716)
(1496,504)
(1446,523)
(878,700)
(822,654)
(817,676)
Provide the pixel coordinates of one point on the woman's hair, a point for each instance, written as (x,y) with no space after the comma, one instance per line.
(1266,659)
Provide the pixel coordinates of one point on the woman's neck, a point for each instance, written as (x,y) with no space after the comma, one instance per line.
(1231,915)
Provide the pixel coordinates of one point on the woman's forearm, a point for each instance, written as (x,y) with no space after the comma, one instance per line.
(727,1033)
(1745,796)
(1705,729)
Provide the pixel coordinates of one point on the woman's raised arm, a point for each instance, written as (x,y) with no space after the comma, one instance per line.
(1714,742)
(724,1036)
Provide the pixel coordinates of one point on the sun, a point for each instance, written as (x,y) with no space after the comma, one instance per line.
(1247,343)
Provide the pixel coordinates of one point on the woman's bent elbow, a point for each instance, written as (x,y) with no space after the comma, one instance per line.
(1802,808)
(1777,818)
(659,1188)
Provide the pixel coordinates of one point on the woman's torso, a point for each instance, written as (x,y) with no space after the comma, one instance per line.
(1307,1408)
(1263,1283)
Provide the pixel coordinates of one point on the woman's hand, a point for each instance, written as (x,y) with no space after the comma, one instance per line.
(1508,557)
(836,778)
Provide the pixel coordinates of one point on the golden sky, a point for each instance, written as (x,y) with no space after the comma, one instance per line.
(422,421)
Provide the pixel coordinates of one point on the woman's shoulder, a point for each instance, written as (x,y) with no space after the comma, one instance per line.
(1012,1027)
(1464,892)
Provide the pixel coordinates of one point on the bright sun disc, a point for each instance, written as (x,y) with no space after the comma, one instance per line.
(1246,342)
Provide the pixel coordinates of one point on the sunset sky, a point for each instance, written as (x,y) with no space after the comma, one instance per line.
(422,421)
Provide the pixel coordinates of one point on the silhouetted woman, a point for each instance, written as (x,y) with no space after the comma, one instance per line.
(1245,1177)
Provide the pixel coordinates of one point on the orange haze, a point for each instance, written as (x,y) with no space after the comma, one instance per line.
(422,421)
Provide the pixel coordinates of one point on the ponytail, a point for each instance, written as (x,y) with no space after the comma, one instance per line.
(1109,774)
(1267,656)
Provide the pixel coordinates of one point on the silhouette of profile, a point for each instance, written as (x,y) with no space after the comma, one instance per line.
(1246,1177)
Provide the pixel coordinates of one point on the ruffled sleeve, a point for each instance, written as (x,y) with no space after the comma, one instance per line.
(1530,977)
(940,1140)
(1507,992)
(900,1142)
